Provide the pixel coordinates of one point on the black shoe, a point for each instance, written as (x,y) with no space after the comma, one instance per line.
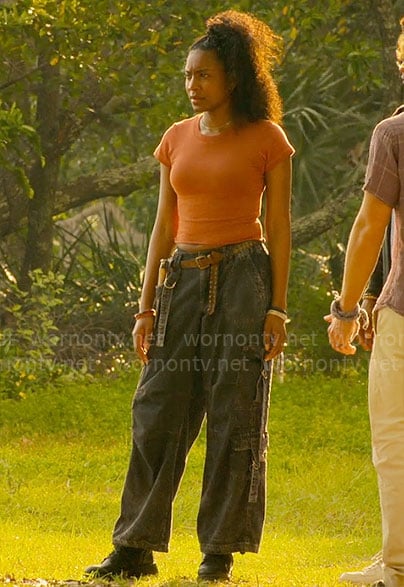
(378,584)
(216,567)
(125,561)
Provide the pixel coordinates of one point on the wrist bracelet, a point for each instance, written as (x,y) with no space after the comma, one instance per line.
(337,312)
(145,313)
(279,313)
(278,309)
(357,313)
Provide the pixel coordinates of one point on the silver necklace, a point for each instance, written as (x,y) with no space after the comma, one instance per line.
(214,129)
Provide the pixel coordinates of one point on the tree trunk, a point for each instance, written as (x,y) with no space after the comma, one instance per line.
(333,212)
(44,173)
(113,182)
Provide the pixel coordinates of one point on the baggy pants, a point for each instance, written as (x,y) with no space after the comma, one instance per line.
(210,362)
(386,409)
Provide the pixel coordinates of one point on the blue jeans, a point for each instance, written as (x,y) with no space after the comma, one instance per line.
(203,362)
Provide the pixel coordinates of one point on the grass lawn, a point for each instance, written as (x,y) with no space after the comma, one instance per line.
(63,457)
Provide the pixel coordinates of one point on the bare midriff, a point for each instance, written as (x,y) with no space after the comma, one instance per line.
(192,248)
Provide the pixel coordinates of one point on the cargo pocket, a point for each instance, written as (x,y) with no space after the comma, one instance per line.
(252,435)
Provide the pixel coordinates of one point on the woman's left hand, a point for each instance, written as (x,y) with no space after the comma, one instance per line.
(274,336)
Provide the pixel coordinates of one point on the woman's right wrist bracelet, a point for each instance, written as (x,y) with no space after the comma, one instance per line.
(145,314)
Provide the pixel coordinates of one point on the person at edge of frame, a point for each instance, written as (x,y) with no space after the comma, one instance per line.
(209,332)
(374,572)
(383,199)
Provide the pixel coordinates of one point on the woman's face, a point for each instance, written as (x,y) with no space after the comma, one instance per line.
(206,83)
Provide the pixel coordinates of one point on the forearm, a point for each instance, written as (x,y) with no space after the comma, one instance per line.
(363,250)
(160,247)
(278,229)
(162,238)
(279,245)
(360,262)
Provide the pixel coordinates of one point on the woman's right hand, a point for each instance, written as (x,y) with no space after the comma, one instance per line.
(141,334)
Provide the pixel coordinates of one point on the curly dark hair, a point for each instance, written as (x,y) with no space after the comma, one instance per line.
(248,49)
(400,41)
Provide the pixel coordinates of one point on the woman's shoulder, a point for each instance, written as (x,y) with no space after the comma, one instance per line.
(269,132)
(268,126)
(183,125)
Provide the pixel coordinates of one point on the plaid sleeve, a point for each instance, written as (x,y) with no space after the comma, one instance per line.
(382,177)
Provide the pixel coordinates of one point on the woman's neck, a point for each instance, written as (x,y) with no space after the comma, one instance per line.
(209,125)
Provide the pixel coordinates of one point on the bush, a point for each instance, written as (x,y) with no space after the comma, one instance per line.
(29,338)
(310,294)
(102,287)
(74,321)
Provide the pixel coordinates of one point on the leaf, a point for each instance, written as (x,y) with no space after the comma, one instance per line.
(293,33)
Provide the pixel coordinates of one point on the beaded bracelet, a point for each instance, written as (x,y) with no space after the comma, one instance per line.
(145,313)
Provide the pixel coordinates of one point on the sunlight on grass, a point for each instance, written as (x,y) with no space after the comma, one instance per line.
(63,458)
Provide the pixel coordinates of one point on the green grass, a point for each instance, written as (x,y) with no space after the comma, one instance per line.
(63,457)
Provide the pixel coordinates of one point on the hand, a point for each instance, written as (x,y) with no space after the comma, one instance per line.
(366,335)
(341,333)
(274,336)
(141,335)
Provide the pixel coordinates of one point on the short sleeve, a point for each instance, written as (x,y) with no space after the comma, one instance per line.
(279,147)
(163,151)
(382,175)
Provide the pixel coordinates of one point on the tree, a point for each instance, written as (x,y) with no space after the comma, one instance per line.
(68,68)
(94,89)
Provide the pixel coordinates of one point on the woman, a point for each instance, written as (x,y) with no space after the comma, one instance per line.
(208,333)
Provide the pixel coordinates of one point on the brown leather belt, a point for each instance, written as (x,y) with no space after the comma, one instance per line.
(211,260)
(203,261)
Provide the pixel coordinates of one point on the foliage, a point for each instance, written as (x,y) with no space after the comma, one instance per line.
(11,126)
(314,276)
(102,284)
(121,77)
(13,134)
(117,73)
(74,322)
(331,101)
(29,340)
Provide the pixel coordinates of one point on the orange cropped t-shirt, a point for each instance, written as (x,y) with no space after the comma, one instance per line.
(219,180)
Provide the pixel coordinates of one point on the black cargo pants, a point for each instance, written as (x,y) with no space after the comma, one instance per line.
(207,358)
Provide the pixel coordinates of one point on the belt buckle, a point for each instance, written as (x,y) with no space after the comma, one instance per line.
(199,261)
